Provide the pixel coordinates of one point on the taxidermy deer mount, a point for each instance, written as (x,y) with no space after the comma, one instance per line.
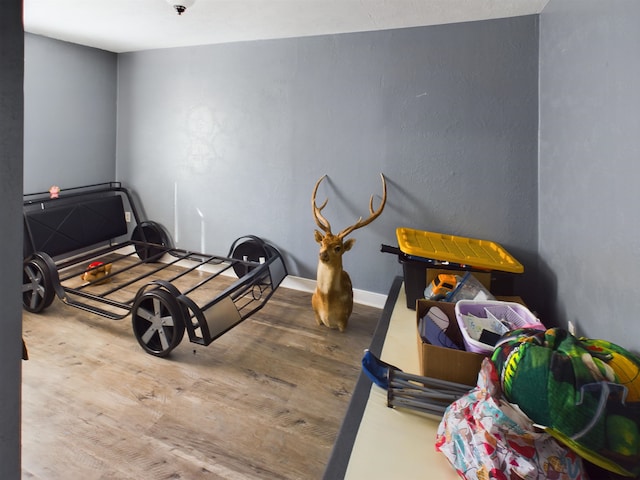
(332,300)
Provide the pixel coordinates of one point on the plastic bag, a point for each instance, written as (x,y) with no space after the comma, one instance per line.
(484,437)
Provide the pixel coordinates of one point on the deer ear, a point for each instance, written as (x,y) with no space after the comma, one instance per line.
(318,236)
(348,244)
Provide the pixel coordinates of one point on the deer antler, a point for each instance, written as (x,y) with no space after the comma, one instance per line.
(374,214)
(322,222)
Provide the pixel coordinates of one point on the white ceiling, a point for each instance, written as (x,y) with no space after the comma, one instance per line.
(129,25)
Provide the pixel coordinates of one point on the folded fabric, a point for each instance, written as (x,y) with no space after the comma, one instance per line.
(433,326)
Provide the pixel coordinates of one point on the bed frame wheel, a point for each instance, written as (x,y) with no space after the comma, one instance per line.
(250,248)
(158,322)
(154,233)
(37,289)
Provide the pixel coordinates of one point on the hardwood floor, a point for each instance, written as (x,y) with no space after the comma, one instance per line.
(264,401)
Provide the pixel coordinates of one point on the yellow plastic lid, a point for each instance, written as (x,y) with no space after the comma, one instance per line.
(476,253)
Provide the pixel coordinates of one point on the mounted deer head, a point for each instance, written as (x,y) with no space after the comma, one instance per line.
(332,300)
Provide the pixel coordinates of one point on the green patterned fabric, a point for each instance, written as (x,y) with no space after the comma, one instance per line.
(585,392)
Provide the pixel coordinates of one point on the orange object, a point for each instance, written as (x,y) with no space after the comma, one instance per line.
(97,271)
(441,286)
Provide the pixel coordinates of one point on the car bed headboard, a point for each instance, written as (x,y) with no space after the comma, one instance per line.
(57,229)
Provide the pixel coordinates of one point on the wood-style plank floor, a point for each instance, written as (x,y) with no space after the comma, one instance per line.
(264,401)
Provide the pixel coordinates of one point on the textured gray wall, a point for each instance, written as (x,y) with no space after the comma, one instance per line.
(11,100)
(70,114)
(589,165)
(225,140)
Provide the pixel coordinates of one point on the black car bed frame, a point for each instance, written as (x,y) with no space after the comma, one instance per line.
(166,289)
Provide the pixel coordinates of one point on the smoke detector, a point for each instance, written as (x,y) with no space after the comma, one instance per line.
(180,6)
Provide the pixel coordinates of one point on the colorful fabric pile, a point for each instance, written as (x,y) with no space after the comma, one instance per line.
(584,392)
(484,437)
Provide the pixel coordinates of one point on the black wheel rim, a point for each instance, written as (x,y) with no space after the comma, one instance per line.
(157,322)
(149,233)
(251,251)
(37,293)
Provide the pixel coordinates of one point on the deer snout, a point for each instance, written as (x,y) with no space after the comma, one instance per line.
(324,256)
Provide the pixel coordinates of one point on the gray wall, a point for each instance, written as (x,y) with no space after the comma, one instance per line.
(225,140)
(239,133)
(589,165)
(11,99)
(70,114)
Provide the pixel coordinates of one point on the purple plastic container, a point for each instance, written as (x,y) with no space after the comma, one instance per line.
(506,315)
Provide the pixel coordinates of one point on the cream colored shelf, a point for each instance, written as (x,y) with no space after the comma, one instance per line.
(396,443)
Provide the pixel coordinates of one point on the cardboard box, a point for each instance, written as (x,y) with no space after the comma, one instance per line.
(448,364)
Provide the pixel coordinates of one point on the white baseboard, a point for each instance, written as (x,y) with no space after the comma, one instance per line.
(361,297)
